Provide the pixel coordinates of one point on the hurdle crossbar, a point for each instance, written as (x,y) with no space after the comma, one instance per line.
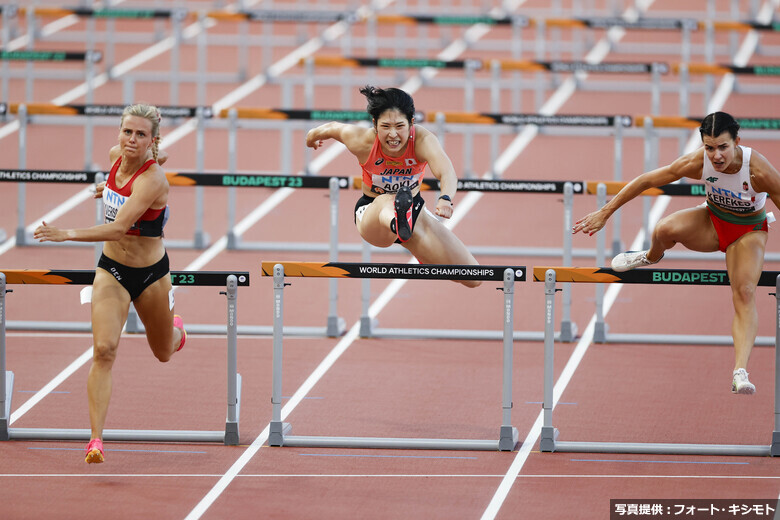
(549,437)
(653,276)
(367,271)
(230,436)
(280,431)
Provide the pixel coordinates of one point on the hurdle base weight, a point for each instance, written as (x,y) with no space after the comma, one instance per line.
(201,240)
(548,438)
(600,332)
(277,431)
(774,450)
(508,438)
(232,240)
(336,327)
(367,325)
(568,332)
(231,433)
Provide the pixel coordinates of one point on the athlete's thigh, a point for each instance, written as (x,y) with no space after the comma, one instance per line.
(693,228)
(434,243)
(155,309)
(745,258)
(370,225)
(110,305)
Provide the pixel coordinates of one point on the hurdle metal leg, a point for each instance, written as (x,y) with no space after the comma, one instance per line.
(568,327)
(549,433)
(549,438)
(601,327)
(508,436)
(6,378)
(335,325)
(279,431)
(775,447)
(21,189)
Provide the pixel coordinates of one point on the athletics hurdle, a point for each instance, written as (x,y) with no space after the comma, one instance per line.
(549,436)
(32,56)
(231,281)
(508,435)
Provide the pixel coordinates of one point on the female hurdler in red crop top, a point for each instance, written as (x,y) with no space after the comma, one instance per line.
(134,266)
(151,223)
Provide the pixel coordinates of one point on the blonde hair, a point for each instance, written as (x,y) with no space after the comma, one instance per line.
(150,112)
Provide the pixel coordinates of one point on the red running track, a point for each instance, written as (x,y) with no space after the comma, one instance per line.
(380,387)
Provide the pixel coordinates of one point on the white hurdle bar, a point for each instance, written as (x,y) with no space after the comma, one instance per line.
(279,431)
(549,437)
(228,437)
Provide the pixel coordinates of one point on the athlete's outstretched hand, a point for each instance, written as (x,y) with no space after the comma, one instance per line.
(312,141)
(590,223)
(47,233)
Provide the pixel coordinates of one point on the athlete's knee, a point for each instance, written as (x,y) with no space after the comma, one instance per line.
(163,357)
(666,229)
(471,284)
(743,293)
(163,354)
(163,351)
(104,352)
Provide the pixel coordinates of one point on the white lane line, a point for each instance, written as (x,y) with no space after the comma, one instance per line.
(51,385)
(746,50)
(379,475)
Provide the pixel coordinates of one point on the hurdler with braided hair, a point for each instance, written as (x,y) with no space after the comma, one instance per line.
(134,266)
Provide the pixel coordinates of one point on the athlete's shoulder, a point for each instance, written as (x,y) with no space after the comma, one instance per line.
(152,178)
(761,168)
(757,160)
(420,132)
(114,154)
(690,164)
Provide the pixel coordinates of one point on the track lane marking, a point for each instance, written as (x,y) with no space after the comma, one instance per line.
(385,475)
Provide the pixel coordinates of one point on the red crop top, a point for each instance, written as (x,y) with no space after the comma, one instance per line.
(151,223)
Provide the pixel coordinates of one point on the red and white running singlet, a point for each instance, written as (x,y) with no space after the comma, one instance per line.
(151,223)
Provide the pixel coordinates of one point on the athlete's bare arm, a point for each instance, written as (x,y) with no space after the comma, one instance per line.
(765,177)
(357,139)
(689,165)
(148,190)
(428,148)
